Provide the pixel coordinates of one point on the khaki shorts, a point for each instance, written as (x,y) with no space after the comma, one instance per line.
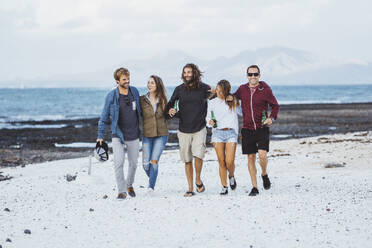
(192,145)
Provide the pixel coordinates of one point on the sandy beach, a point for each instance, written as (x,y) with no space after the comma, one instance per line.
(35,145)
(320,197)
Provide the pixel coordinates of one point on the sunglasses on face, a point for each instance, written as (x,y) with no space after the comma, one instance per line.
(256,74)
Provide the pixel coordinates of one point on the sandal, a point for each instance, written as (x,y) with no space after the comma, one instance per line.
(189,194)
(200,188)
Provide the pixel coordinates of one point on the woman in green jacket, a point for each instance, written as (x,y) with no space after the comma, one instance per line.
(155,130)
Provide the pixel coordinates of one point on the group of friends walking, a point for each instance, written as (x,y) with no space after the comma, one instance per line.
(197,106)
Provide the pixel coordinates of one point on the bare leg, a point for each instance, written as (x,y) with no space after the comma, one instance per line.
(252,169)
(220,151)
(189,175)
(262,155)
(230,157)
(198,168)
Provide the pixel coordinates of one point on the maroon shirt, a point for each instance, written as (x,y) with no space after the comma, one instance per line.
(254,103)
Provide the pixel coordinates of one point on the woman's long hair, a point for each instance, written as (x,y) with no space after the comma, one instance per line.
(160,92)
(196,76)
(225,87)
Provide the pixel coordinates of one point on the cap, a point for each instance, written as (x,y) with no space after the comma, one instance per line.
(101,152)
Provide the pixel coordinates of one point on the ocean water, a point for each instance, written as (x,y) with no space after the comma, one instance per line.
(38,104)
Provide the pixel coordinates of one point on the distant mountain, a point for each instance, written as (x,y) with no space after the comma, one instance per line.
(279,65)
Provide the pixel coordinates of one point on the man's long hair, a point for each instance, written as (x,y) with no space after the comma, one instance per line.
(160,92)
(225,87)
(196,77)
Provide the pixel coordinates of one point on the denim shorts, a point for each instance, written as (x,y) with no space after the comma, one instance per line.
(224,136)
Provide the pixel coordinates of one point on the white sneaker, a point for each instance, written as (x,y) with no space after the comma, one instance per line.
(224,191)
(232,183)
(150,192)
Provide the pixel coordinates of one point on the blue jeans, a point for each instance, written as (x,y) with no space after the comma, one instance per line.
(151,150)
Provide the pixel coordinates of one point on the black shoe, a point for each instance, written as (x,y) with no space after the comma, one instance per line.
(254,192)
(224,191)
(131,192)
(232,182)
(266,182)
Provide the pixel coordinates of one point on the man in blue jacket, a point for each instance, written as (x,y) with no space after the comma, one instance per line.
(122,109)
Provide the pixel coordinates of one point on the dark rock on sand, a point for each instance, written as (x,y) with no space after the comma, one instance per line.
(70,178)
(334,165)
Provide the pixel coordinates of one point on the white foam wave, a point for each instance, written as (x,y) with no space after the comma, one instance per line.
(20,126)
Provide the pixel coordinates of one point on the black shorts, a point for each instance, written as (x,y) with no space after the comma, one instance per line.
(254,140)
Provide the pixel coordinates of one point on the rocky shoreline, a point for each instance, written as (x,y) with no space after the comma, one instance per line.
(34,145)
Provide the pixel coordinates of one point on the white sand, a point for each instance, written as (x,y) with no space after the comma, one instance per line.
(307,206)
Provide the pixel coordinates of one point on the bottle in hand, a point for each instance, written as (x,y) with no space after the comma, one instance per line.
(263,117)
(176,106)
(214,119)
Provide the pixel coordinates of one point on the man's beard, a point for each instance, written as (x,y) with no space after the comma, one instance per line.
(189,82)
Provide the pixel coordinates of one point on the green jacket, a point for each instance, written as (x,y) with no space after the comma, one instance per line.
(154,124)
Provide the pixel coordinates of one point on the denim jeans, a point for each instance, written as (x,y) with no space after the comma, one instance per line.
(151,150)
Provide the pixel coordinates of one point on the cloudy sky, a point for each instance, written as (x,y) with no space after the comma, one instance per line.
(41,38)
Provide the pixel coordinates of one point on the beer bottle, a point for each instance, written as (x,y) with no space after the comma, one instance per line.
(214,119)
(263,117)
(176,106)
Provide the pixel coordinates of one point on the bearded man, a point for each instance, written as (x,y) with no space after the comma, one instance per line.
(192,96)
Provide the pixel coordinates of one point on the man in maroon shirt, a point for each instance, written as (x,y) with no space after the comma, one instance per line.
(256,97)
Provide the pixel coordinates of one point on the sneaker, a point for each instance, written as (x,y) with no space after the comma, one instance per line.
(224,191)
(254,192)
(131,192)
(232,182)
(266,182)
(150,192)
(122,196)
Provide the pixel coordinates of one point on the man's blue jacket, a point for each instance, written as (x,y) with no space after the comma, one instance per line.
(110,113)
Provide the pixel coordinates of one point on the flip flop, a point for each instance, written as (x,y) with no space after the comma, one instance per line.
(200,188)
(189,194)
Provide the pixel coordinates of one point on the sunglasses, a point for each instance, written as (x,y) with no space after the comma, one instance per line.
(127,101)
(256,74)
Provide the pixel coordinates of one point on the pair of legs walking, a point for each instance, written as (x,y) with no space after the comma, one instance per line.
(152,148)
(262,155)
(192,148)
(190,175)
(118,148)
(224,142)
(256,141)
(226,157)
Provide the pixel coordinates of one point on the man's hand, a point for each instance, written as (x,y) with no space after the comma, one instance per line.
(229,98)
(211,123)
(268,122)
(172,112)
(100,141)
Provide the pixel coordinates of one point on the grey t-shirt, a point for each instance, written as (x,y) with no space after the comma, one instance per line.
(128,121)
